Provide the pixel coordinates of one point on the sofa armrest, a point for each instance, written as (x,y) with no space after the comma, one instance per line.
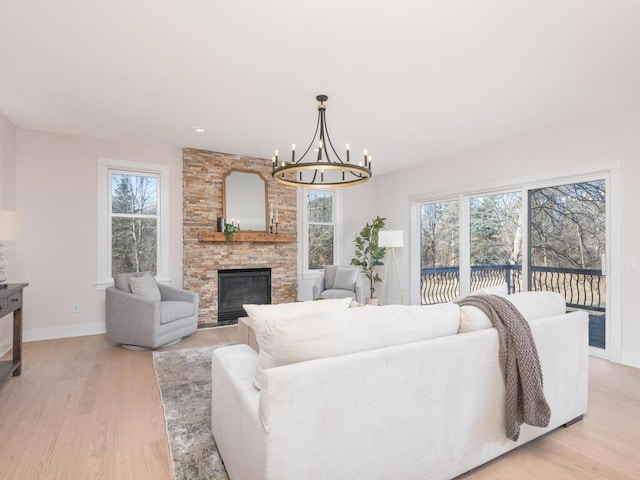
(234,412)
(318,286)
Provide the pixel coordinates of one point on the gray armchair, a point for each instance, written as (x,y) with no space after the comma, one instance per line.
(339,282)
(135,321)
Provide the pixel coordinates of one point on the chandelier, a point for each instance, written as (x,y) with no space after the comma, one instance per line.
(327,169)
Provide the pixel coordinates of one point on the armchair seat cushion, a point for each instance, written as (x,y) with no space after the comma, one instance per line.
(171,311)
(338,293)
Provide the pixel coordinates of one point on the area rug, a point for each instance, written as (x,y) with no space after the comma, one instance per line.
(184,377)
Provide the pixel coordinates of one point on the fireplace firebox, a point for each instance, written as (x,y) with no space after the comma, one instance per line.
(239,286)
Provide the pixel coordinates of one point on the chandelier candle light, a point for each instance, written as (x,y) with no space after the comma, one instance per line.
(327,169)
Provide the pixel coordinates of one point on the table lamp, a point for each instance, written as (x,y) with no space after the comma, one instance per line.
(9,230)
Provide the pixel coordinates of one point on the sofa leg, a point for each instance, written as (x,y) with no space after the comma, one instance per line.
(575,420)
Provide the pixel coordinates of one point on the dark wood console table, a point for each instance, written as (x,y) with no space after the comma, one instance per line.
(11,301)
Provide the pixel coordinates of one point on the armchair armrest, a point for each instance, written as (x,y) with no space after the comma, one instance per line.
(318,286)
(124,310)
(168,293)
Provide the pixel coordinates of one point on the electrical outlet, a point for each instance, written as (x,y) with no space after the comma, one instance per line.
(75,307)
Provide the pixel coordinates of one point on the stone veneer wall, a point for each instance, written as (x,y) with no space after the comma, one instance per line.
(203,173)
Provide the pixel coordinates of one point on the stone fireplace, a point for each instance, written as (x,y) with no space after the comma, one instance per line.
(205,253)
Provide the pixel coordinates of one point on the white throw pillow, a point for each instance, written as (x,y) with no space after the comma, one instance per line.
(328,334)
(532,306)
(145,286)
(346,279)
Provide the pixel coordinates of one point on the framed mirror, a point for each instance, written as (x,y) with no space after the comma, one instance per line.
(244,195)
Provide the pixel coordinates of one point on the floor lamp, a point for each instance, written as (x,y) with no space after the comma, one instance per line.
(9,230)
(391,239)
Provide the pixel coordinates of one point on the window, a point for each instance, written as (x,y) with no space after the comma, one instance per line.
(320,229)
(439,251)
(550,236)
(134,217)
(132,230)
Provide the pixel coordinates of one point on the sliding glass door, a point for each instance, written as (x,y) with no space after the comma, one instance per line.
(479,241)
(439,251)
(567,248)
(495,241)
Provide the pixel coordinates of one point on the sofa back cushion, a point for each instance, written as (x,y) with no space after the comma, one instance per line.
(262,313)
(327,334)
(532,306)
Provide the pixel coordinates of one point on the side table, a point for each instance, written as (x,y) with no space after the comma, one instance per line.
(11,301)
(246,333)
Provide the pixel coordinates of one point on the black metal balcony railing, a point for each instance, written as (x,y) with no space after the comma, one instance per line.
(582,288)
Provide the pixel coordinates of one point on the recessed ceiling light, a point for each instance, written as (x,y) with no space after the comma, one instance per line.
(199,130)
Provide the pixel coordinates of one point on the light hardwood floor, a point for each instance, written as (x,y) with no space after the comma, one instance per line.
(85,409)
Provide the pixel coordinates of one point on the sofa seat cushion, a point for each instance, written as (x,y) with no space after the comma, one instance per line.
(171,311)
(532,306)
(341,332)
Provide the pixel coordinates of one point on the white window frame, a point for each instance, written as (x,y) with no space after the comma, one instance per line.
(105,168)
(337,216)
(610,172)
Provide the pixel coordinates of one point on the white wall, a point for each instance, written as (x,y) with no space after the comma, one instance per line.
(7,202)
(57,192)
(582,145)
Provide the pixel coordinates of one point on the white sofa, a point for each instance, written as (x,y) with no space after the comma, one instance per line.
(424,409)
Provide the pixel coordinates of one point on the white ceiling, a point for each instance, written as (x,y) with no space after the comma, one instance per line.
(410,80)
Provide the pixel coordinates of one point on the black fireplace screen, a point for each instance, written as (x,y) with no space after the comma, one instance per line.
(239,286)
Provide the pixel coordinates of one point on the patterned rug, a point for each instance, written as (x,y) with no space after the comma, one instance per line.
(184,377)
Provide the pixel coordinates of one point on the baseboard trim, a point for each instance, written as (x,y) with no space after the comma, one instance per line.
(52,333)
(630,359)
(5,349)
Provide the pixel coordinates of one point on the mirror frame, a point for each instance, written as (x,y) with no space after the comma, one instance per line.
(266,196)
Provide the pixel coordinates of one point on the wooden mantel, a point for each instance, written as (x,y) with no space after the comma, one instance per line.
(249,236)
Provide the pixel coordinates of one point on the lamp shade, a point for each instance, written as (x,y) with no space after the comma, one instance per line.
(390,238)
(9,225)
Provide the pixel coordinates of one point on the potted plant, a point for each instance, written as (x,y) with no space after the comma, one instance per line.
(368,255)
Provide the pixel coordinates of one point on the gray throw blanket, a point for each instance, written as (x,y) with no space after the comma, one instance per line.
(518,356)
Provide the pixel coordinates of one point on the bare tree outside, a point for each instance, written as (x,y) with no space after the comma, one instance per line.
(440,234)
(134,223)
(321,229)
(568,225)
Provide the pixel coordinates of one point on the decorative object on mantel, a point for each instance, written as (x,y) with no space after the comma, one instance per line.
(391,239)
(368,254)
(9,230)
(230,229)
(321,171)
